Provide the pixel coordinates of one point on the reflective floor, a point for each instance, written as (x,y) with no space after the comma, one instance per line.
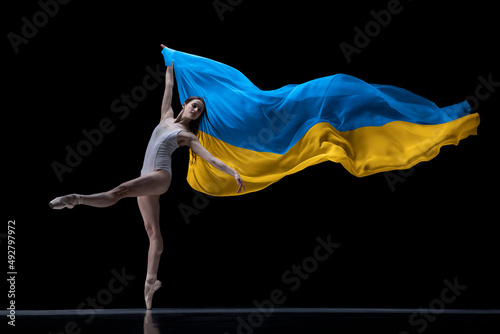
(252,320)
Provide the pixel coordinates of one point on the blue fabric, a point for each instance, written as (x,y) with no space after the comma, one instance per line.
(275,120)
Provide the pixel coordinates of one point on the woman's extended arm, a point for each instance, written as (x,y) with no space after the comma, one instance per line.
(193,142)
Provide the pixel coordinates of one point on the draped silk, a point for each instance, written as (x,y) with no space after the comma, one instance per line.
(266,135)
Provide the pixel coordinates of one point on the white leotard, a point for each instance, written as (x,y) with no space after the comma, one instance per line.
(158,155)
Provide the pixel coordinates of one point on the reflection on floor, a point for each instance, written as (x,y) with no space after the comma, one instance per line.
(254,320)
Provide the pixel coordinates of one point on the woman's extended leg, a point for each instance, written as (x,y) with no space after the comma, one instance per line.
(150,211)
(154,183)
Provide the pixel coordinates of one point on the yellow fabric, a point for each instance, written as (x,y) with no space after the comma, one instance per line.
(364,151)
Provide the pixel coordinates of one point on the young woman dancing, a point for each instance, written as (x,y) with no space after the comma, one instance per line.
(156,174)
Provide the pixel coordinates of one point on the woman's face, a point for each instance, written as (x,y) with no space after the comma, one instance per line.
(193,109)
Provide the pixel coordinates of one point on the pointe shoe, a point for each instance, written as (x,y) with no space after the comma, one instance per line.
(149,296)
(62,202)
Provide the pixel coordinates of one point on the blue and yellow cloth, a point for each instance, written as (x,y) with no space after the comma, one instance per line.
(266,135)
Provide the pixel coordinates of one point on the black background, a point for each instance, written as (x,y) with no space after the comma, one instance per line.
(398,244)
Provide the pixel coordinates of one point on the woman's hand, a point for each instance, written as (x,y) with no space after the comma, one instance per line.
(171,63)
(240,183)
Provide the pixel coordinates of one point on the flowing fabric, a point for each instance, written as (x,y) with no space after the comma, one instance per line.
(266,135)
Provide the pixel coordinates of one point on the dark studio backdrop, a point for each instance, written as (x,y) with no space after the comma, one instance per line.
(397,239)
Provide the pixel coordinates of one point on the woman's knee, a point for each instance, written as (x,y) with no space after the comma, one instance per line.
(155,240)
(120,192)
(153,233)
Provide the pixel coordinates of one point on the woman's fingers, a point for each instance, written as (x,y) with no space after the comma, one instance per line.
(163,46)
(241,185)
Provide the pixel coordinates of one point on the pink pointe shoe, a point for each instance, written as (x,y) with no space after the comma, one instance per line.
(152,289)
(63,202)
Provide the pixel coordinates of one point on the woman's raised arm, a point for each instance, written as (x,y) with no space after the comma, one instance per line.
(166,105)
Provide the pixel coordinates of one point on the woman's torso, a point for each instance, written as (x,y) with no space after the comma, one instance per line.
(163,142)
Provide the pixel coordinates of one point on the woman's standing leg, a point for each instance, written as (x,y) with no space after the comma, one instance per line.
(150,211)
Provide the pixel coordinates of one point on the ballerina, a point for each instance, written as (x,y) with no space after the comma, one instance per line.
(156,174)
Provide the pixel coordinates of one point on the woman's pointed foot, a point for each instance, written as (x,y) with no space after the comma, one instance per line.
(150,289)
(68,201)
